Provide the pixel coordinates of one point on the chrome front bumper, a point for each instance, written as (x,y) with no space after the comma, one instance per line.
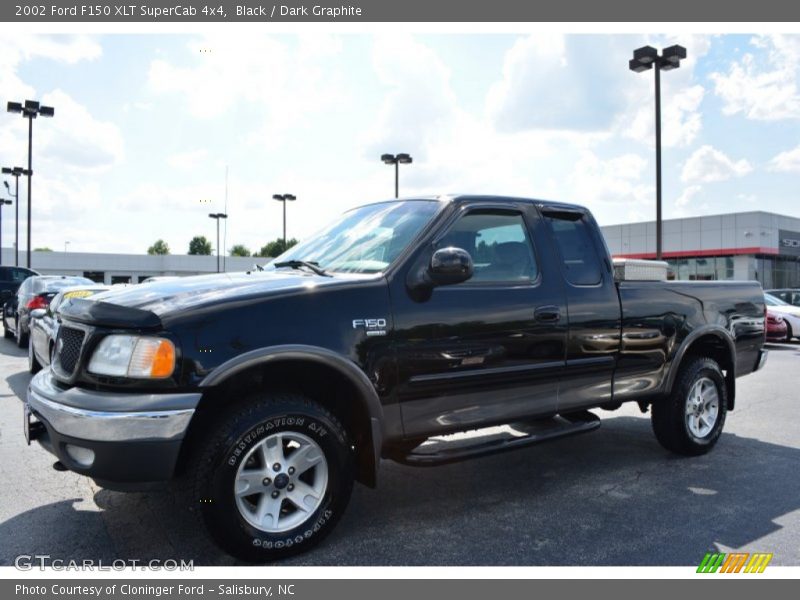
(110,417)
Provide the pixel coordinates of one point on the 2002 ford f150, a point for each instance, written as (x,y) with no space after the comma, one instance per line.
(268,393)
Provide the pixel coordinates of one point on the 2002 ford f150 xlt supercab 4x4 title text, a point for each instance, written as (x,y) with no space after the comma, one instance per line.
(269,393)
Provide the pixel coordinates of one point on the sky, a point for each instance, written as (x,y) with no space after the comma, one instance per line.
(146,126)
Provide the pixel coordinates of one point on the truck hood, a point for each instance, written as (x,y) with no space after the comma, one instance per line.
(144,304)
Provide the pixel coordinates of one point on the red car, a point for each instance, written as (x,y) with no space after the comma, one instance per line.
(776,327)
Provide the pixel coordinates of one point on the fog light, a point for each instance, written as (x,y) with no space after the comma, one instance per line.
(83,456)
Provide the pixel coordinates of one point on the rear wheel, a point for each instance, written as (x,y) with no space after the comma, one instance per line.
(691,419)
(789,334)
(22,338)
(34,366)
(274,478)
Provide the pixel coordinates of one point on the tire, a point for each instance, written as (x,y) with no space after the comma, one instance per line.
(6,331)
(245,441)
(789,332)
(683,433)
(34,366)
(21,338)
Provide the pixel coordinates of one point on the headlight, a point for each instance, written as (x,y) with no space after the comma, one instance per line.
(133,356)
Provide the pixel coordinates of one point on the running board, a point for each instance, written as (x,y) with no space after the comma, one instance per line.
(458,447)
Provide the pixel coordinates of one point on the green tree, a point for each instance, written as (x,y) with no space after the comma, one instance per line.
(240,250)
(276,248)
(159,247)
(43,249)
(200,245)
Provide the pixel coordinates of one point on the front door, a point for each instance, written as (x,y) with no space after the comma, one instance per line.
(489,349)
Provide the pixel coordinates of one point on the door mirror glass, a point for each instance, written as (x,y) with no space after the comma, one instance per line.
(450,266)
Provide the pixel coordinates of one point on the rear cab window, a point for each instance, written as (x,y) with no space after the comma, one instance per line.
(576,248)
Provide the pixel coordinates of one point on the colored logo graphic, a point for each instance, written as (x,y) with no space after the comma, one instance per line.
(737,562)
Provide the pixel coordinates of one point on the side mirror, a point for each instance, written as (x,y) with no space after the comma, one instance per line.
(450,266)
(38,313)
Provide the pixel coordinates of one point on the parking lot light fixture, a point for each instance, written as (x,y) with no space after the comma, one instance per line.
(284,198)
(30,110)
(217,217)
(644,59)
(397,160)
(15,172)
(3,202)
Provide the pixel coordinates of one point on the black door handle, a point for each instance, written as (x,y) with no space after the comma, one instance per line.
(547,314)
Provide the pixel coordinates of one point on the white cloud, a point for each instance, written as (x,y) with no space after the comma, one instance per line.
(419,106)
(688,194)
(187,160)
(16,49)
(548,83)
(680,119)
(764,90)
(285,84)
(786,162)
(708,164)
(612,184)
(75,138)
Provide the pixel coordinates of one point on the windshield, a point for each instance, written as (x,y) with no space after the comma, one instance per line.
(773,301)
(366,239)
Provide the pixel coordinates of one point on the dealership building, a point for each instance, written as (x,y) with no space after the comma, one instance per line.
(750,245)
(126,268)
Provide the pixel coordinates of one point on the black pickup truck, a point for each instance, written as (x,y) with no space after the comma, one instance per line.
(266,394)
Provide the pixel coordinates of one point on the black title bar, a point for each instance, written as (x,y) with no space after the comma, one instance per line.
(494,11)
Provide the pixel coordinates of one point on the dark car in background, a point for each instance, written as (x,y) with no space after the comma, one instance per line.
(35,292)
(44,324)
(10,280)
(788,295)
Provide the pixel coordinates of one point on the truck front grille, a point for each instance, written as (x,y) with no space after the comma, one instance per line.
(69,348)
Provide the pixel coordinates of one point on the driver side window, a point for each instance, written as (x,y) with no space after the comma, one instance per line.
(498,243)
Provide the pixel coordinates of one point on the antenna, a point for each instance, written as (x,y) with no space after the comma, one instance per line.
(225,228)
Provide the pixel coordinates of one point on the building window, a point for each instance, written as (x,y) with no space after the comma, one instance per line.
(96,276)
(120,279)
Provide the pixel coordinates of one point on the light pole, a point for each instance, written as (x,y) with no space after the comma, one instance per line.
(217,217)
(646,58)
(15,172)
(284,198)
(397,160)
(3,202)
(30,110)
(65,247)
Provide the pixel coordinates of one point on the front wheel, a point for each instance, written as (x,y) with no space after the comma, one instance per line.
(691,419)
(274,478)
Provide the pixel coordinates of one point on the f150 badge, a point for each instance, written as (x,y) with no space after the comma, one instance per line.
(372,326)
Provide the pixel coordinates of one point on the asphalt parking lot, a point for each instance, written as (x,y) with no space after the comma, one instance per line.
(612,497)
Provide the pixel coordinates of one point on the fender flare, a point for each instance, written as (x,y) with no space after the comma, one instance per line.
(345,367)
(723,335)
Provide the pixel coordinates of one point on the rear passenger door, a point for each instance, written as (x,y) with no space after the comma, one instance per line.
(593,309)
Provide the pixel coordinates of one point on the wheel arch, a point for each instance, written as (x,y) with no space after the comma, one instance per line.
(712,341)
(326,376)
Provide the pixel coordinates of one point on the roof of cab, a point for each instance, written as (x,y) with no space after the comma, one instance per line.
(546,204)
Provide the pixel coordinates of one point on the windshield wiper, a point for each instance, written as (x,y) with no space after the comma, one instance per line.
(308,264)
